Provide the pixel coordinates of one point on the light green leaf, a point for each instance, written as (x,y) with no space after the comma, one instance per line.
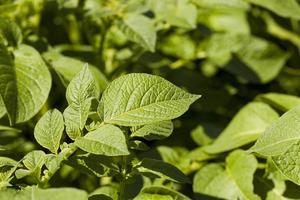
(7,128)
(81,87)
(288,162)
(35,193)
(162,169)
(163,191)
(179,13)
(68,68)
(246,126)
(263,58)
(155,131)
(283,8)
(25,82)
(2,108)
(75,118)
(7,168)
(280,135)
(200,136)
(107,140)
(283,102)
(234,182)
(139,99)
(138,145)
(49,129)
(33,161)
(146,196)
(10,32)
(79,93)
(220,4)
(139,29)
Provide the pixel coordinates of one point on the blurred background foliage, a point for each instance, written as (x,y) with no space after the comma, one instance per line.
(229,51)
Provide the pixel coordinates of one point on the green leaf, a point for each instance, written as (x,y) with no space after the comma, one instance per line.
(229,4)
(94,164)
(282,134)
(179,13)
(79,93)
(283,8)
(68,68)
(138,145)
(7,128)
(49,129)
(7,168)
(139,29)
(139,99)
(10,32)
(107,140)
(288,162)
(2,108)
(246,126)
(162,169)
(24,84)
(44,194)
(234,182)
(200,136)
(263,58)
(283,102)
(33,161)
(155,131)
(75,118)
(150,192)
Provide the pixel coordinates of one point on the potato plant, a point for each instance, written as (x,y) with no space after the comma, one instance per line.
(100,99)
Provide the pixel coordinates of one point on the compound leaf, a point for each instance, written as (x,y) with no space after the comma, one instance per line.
(49,129)
(79,93)
(107,140)
(139,99)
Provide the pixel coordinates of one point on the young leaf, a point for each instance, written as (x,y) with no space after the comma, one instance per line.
(288,162)
(79,93)
(246,126)
(234,182)
(107,140)
(155,131)
(283,102)
(24,84)
(139,29)
(139,99)
(162,169)
(49,129)
(287,8)
(280,135)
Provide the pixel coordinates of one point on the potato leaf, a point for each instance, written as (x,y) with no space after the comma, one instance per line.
(49,129)
(139,99)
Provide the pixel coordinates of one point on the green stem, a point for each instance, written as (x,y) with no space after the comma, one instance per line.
(47,176)
(276,30)
(123,181)
(100,56)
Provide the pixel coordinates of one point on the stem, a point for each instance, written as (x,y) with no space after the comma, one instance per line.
(123,181)
(100,56)
(47,176)
(276,30)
